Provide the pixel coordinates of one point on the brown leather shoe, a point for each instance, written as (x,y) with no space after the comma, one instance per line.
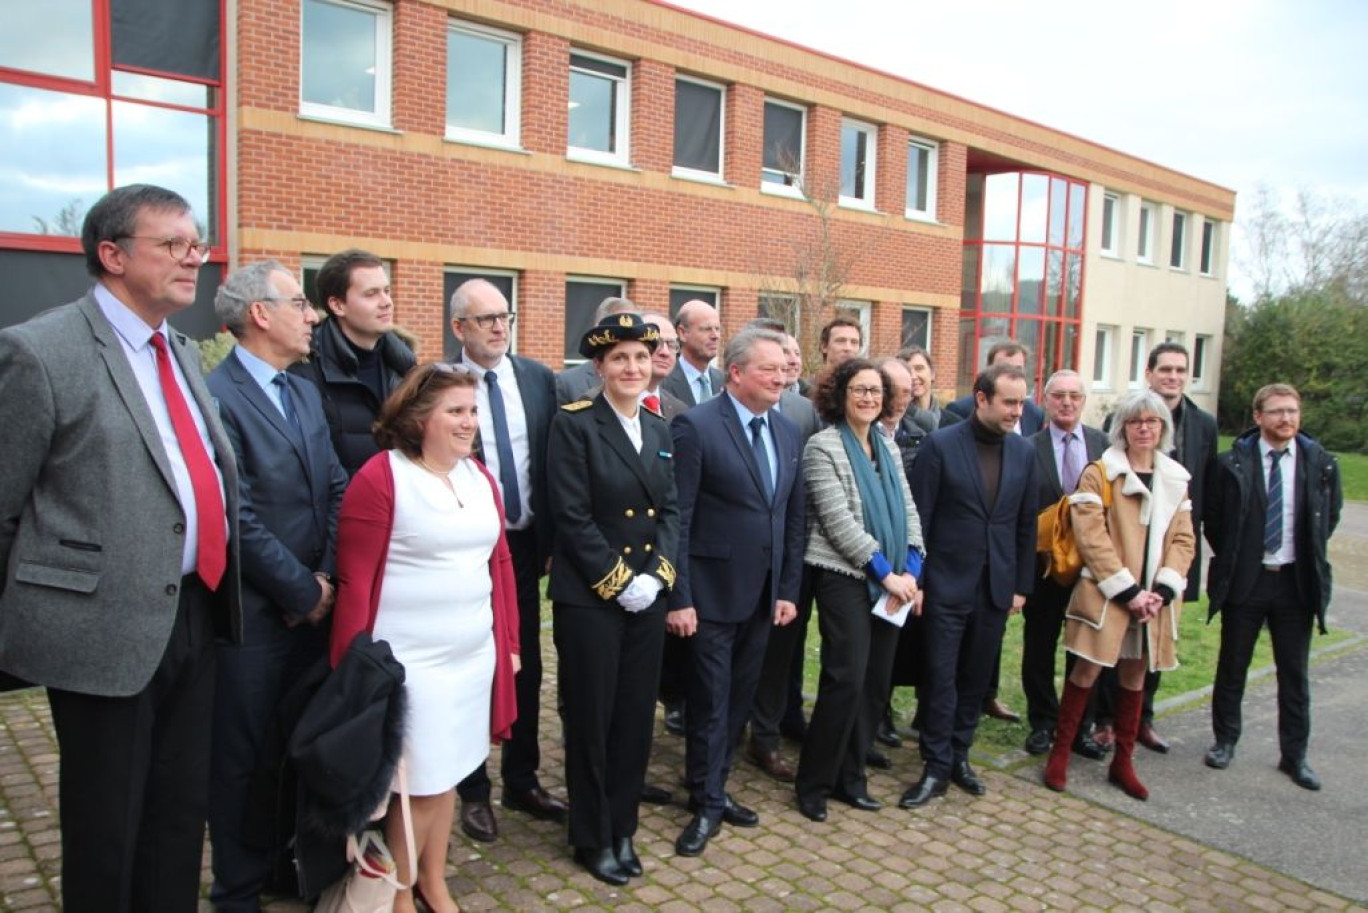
(536,802)
(1152,739)
(770,762)
(1000,711)
(478,822)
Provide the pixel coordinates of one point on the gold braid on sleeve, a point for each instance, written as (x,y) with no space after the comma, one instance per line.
(666,572)
(614,582)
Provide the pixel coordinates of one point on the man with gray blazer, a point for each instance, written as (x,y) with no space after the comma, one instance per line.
(118,539)
(292,486)
(694,379)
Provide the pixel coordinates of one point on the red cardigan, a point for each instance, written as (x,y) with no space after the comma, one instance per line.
(364,527)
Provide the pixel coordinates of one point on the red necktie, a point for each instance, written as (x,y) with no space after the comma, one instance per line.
(212,556)
(652,402)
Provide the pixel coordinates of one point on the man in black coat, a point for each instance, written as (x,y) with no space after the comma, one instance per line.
(1272,504)
(1062,449)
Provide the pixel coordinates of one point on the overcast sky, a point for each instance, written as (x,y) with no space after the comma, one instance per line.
(1237,92)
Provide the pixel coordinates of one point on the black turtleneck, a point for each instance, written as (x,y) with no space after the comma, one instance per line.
(988,445)
(369,367)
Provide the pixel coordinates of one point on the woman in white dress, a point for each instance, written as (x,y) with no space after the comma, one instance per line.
(423,565)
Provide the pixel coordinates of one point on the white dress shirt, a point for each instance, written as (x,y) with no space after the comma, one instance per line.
(518,437)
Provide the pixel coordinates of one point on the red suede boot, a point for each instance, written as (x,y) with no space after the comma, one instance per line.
(1071,707)
(1122,772)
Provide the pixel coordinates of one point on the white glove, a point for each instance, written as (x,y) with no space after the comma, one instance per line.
(640,594)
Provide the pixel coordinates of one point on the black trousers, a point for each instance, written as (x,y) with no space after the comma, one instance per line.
(610,667)
(784,655)
(857,665)
(1274,602)
(521,753)
(134,780)
(962,645)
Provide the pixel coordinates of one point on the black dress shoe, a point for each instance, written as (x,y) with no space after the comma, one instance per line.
(627,857)
(1084,745)
(923,791)
(1220,755)
(674,719)
(536,802)
(478,822)
(886,735)
(1151,739)
(737,815)
(694,839)
(963,776)
(602,864)
(1038,742)
(654,795)
(1301,773)
(877,760)
(813,808)
(860,801)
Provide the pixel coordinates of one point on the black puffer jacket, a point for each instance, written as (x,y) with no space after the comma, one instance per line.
(348,403)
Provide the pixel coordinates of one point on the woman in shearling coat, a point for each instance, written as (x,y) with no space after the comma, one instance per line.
(1125,607)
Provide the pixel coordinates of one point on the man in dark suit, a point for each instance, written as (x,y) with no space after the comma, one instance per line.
(1032,420)
(1273,502)
(975,489)
(1062,449)
(516,401)
(292,485)
(1194,445)
(694,380)
(737,469)
(118,539)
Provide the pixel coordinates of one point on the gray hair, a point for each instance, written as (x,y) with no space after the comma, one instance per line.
(609,306)
(114,217)
(245,285)
(741,347)
(1062,374)
(460,299)
(1137,404)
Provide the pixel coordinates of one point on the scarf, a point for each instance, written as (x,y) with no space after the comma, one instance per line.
(885,514)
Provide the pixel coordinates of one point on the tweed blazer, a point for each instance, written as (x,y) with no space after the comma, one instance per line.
(836,536)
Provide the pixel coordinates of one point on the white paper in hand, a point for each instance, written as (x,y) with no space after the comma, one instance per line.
(898,618)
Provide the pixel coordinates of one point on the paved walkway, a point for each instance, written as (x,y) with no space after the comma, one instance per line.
(1242,839)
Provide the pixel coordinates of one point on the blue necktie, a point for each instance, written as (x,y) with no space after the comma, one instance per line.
(1273,533)
(503,446)
(282,385)
(704,387)
(757,426)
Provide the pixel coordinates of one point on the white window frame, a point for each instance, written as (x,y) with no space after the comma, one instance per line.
(620,157)
(865,310)
(930,323)
(1211,239)
(1201,355)
(1110,238)
(703,292)
(1144,245)
(871,131)
(695,174)
(791,301)
(1178,240)
(782,187)
(1140,346)
(512,302)
(510,138)
(384,69)
(932,150)
(1104,344)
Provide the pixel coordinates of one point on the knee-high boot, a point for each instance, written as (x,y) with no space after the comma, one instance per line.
(1071,707)
(1122,772)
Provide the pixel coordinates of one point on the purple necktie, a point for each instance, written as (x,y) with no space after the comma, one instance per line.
(1073,467)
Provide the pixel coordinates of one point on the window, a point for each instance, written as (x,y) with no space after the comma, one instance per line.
(345,61)
(922,158)
(1102,358)
(1138,356)
(682,293)
(779,306)
(452,279)
(1198,375)
(858,142)
(484,79)
(1208,247)
(698,128)
(1111,205)
(1144,247)
(582,298)
(1178,252)
(1177,336)
(785,142)
(599,93)
(916,328)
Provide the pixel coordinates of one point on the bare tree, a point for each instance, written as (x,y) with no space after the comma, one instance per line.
(1318,245)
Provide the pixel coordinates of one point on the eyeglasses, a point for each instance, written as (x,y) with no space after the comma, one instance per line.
(1280,413)
(671,344)
(298,301)
(1148,423)
(487,321)
(178,248)
(863,392)
(1067,395)
(444,367)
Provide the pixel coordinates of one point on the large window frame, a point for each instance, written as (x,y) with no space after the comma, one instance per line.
(1210,237)
(859,163)
(1104,342)
(916,327)
(680,293)
(506,280)
(576,324)
(1178,254)
(1110,242)
(1201,352)
(1144,243)
(1139,357)
(693,171)
(774,176)
(618,74)
(920,203)
(511,44)
(139,90)
(378,116)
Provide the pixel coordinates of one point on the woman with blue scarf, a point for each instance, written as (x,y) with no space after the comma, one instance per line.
(864,543)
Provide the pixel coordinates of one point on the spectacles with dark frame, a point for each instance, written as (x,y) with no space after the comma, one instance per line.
(298,301)
(487,321)
(861,392)
(178,248)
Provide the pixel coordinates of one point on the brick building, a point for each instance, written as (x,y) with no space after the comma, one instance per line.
(571,150)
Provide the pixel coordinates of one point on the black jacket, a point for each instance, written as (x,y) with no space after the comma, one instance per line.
(1235,493)
(348,403)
